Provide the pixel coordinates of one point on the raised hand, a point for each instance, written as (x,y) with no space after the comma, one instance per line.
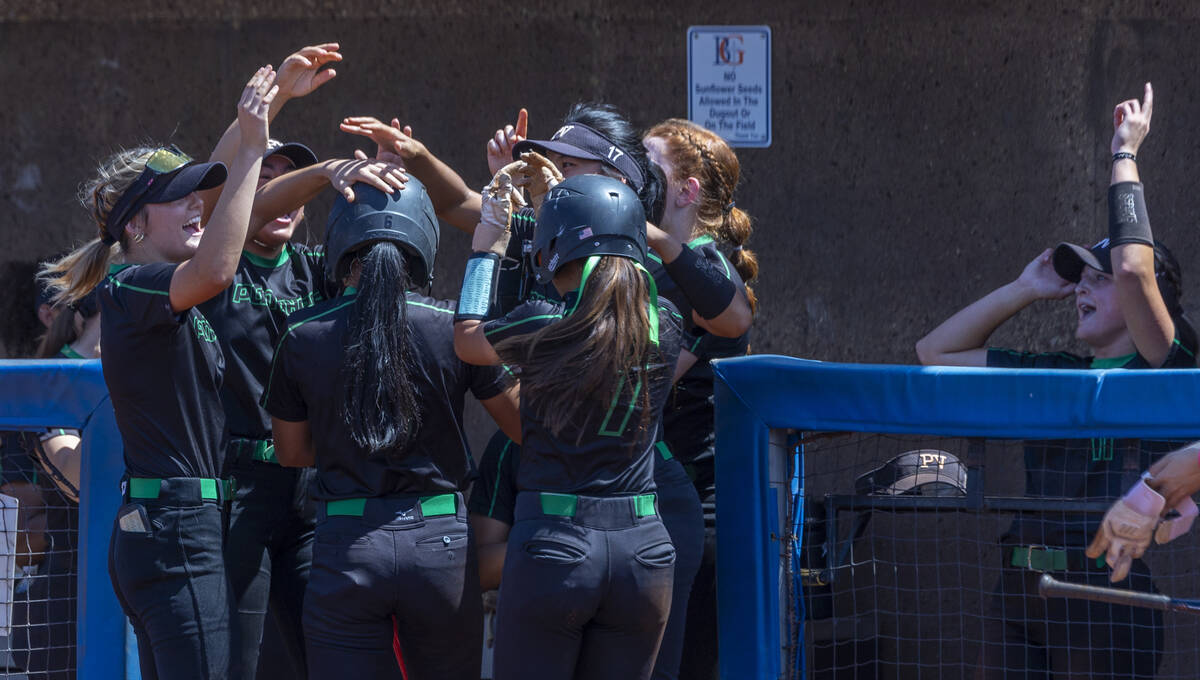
(1131,122)
(499,148)
(302,71)
(253,108)
(342,174)
(498,200)
(538,177)
(1040,279)
(394,143)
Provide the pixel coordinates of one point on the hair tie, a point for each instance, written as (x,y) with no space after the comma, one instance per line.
(736,248)
(728,207)
(107,239)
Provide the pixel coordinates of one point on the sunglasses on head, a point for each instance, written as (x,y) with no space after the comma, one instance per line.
(163,161)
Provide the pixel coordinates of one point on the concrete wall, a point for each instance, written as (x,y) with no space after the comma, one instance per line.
(923,152)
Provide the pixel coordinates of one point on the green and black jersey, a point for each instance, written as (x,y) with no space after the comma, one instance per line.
(163,371)
(304,384)
(1099,469)
(593,456)
(495,491)
(250,317)
(688,417)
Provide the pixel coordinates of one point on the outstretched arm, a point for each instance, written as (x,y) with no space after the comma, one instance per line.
(1146,315)
(289,191)
(961,340)
(452,199)
(301,73)
(211,269)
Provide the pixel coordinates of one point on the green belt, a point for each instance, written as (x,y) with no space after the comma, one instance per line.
(1047,559)
(151,487)
(565,504)
(262,450)
(431,506)
(664,450)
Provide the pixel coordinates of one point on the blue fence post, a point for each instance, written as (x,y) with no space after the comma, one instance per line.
(747,560)
(102,648)
(36,394)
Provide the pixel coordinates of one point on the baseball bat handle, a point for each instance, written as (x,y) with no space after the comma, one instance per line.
(1048,586)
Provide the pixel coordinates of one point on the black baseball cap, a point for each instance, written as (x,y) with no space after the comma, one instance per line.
(300,155)
(1070,259)
(922,472)
(170,175)
(580,141)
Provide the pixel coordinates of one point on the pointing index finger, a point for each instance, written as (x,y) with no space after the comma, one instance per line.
(522,129)
(1148,100)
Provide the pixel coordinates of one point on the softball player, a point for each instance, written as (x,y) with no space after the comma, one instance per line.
(1131,317)
(589,567)
(701,173)
(383,424)
(271,521)
(164,367)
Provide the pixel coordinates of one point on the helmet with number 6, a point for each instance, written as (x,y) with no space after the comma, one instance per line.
(405,217)
(588,215)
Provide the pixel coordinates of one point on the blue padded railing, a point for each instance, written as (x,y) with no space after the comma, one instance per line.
(73,394)
(760,393)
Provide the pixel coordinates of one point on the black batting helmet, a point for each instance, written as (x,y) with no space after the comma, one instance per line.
(588,215)
(404,217)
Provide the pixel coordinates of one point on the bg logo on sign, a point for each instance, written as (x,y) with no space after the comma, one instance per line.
(729,50)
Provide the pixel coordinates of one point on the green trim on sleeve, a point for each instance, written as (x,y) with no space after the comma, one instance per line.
(433,307)
(114,268)
(518,323)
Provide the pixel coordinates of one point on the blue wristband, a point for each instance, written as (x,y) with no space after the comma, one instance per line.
(478,287)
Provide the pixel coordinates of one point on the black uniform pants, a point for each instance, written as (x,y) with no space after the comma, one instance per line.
(700,638)
(393,561)
(583,596)
(171,582)
(1028,637)
(679,505)
(271,527)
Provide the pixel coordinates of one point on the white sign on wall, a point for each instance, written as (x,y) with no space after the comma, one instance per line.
(729,82)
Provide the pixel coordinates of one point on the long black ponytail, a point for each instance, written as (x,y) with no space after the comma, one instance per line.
(379,403)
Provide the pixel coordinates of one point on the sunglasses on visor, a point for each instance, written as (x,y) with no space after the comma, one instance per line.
(161,162)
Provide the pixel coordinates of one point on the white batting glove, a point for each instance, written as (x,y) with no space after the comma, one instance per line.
(539,176)
(1127,528)
(498,201)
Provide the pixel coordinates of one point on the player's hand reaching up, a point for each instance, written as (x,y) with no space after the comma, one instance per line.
(500,146)
(1042,282)
(499,199)
(394,143)
(1131,123)
(252,110)
(538,176)
(303,71)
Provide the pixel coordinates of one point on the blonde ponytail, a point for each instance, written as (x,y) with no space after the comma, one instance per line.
(76,274)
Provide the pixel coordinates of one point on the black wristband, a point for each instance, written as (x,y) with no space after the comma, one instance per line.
(707,290)
(1127,219)
(1122,155)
